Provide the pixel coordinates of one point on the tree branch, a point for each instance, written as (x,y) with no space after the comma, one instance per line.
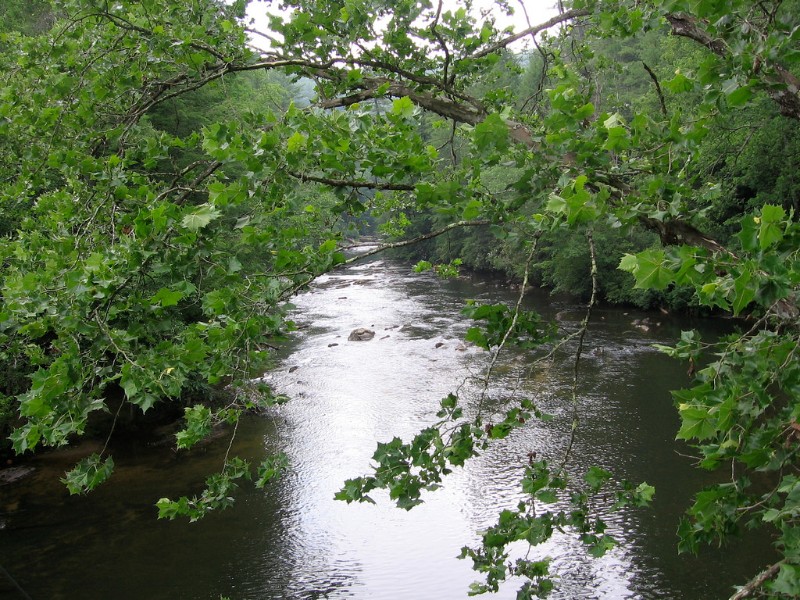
(676,232)
(376,185)
(658,88)
(444,107)
(581,335)
(123,23)
(523,288)
(751,586)
(419,238)
(689,27)
(781,85)
(566,16)
(376,87)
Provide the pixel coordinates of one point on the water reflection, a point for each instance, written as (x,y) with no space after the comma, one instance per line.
(368,392)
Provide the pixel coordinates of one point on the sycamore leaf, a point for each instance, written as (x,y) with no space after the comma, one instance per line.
(166,297)
(679,83)
(649,268)
(628,263)
(271,468)
(595,477)
(296,142)
(770,231)
(88,474)
(744,290)
(492,131)
(199,218)
(788,581)
(556,204)
(739,96)
(697,423)
(644,493)
(472,210)
(403,107)
(748,236)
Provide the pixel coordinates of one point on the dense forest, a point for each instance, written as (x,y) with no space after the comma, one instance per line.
(175,172)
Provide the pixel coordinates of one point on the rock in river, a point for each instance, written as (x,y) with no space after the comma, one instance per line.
(362,334)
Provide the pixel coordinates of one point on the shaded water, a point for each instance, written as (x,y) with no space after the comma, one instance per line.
(293,541)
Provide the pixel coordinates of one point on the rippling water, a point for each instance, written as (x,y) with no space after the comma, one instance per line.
(294,541)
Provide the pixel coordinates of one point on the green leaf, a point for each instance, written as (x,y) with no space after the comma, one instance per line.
(198,426)
(234,266)
(485,33)
(556,204)
(739,97)
(585,111)
(628,263)
(595,477)
(697,423)
(200,217)
(547,496)
(617,139)
(644,494)
(601,545)
(744,292)
(492,132)
(129,382)
(88,474)
(788,581)
(770,230)
(472,210)
(649,268)
(271,468)
(296,142)
(422,266)
(403,107)
(680,83)
(166,297)
(749,234)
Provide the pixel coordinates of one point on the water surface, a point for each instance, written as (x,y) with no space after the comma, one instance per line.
(293,540)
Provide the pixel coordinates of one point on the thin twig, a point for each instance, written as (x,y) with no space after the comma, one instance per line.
(658,88)
(507,334)
(230,444)
(565,16)
(576,364)
(113,425)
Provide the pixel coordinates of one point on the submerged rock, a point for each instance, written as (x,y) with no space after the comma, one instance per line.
(14,474)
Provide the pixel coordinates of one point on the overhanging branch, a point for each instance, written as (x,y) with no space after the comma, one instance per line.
(377,87)
(348,183)
(561,18)
(416,240)
(781,85)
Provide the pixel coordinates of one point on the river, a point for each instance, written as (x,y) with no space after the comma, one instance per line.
(292,540)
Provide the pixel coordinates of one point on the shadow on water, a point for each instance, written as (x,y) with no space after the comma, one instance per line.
(293,541)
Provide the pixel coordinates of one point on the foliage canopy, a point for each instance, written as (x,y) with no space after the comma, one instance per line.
(148,260)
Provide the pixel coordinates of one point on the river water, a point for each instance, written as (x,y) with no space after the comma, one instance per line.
(292,540)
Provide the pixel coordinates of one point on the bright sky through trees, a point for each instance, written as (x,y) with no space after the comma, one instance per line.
(526,12)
